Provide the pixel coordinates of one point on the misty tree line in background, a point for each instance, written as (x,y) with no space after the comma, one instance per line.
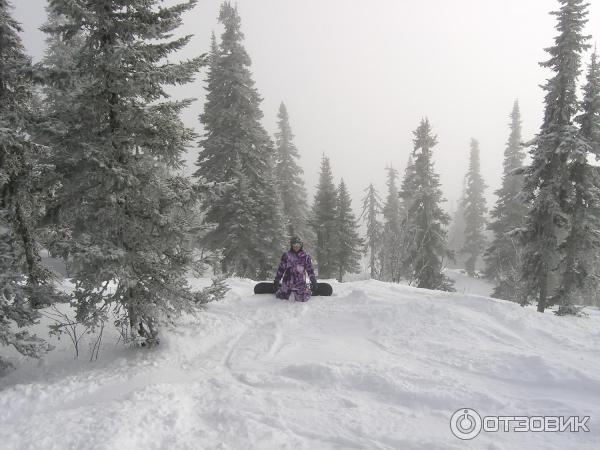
(545,224)
(411,242)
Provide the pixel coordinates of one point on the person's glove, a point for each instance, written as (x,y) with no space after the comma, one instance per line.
(313,286)
(276,284)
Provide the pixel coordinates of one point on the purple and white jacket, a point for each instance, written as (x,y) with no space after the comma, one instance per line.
(292,270)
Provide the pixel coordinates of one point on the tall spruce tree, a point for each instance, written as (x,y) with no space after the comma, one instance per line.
(348,243)
(503,256)
(408,231)
(589,119)
(407,187)
(60,55)
(391,250)
(456,231)
(120,215)
(580,248)
(370,214)
(289,178)
(547,182)
(323,221)
(25,284)
(427,217)
(474,211)
(237,153)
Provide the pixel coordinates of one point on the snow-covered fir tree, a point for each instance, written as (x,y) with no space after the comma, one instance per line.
(289,179)
(503,256)
(474,211)
(25,283)
(408,231)
(391,253)
(323,221)
(589,119)
(348,243)
(120,215)
(425,215)
(456,230)
(547,184)
(407,187)
(237,153)
(579,263)
(370,214)
(60,56)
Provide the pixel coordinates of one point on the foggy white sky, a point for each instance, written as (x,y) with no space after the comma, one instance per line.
(357,76)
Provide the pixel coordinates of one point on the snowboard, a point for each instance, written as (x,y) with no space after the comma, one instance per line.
(266,287)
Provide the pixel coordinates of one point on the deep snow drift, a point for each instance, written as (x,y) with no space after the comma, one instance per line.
(376,366)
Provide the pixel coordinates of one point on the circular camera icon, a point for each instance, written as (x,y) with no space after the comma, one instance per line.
(465,424)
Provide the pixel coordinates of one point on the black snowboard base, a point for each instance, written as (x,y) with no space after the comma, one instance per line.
(265,287)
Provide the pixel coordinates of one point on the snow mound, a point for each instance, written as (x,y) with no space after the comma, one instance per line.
(376,366)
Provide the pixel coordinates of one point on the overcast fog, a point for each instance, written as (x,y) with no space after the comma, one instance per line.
(358,76)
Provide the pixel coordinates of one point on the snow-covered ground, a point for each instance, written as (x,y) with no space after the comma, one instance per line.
(376,366)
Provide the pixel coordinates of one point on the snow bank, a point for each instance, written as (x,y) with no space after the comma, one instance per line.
(376,366)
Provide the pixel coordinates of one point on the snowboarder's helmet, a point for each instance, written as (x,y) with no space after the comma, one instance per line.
(295,240)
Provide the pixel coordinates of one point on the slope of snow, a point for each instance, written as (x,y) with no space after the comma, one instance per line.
(376,366)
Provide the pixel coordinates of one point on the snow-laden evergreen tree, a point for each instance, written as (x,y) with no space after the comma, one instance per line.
(237,153)
(323,221)
(391,250)
(426,257)
(474,211)
(60,55)
(547,182)
(289,179)
(456,231)
(120,215)
(407,188)
(63,83)
(503,256)
(25,284)
(370,214)
(348,243)
(408,232)
(580,248)
(589,119)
